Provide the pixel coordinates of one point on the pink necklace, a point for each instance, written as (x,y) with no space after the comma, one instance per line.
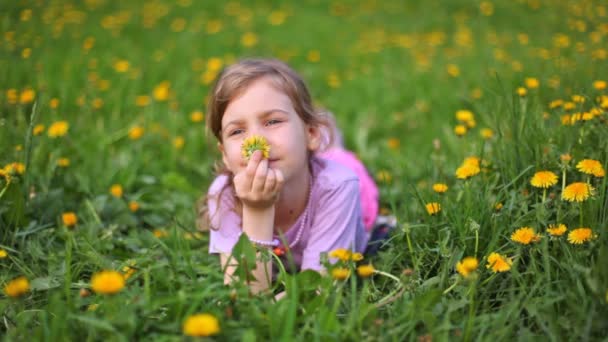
(304,218)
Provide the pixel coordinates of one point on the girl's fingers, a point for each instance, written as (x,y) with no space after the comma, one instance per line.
(260,176)
(250,170)
(271,180)
(279,180)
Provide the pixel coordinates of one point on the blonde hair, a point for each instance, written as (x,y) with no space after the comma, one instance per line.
(231,83)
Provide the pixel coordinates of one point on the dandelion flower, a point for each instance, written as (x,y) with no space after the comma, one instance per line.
(464,115)
(499,263)
(521,91)
(467,170)
(498,206)
(133,206)
(531,82)
(159,233)
(356,256)
(460,130)
(580,235)
(591,167)
(107,282)
(17,287)
(197,116)
(525,235)
(63,162)
(487,133)
(543,179)
(340,253)
(116,190)
(3,253)
(201,325)
(253,143)
(58,129)
(365,271)
(577,192)
(69,219)
(38,129)
(433,208)
(340,273)
(467,266)
(136,132)
(557,229)
(565,158)
(440,188)
(599,85)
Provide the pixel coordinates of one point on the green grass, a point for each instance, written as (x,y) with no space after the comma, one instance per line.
(383,71)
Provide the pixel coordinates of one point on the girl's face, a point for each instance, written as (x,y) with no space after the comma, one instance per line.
(263,110)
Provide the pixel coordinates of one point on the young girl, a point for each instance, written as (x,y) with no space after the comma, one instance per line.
(310,203)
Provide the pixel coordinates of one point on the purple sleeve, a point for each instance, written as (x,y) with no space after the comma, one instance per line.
(336,224)
(225,222)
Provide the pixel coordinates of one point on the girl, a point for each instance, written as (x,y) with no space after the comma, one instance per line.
(313,204)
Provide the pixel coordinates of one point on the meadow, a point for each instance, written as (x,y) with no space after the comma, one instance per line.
(484,124)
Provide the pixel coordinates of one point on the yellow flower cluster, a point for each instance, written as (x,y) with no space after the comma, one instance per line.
(254,143)
(344,254)
(201,325)
(499,263)
(525,236)
(469,168)
(17,287)
(107,282)
(467,266)
(543,179)
(433,208)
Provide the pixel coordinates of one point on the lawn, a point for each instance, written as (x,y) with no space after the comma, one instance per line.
(483,123)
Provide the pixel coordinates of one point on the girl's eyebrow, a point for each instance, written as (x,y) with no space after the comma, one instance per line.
(261,114)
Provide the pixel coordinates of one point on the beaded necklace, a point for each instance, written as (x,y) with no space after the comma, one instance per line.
(304,218)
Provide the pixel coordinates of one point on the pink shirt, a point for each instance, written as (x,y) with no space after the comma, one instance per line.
(333,219)
(368,189)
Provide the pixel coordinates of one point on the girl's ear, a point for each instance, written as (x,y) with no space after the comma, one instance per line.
(314,136)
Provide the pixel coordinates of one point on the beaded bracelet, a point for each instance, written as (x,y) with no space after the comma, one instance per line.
(273,243)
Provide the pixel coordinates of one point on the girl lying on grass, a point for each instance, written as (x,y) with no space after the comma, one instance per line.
(274,184)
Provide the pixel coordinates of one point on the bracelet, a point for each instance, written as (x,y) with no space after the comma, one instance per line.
(273,243)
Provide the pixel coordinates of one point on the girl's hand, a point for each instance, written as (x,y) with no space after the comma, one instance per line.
(258,186)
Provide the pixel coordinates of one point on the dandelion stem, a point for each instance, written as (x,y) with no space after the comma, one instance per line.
(476,241)
(580,206)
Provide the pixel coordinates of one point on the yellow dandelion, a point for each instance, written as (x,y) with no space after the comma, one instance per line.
(17,287)
(433,208)
(565,158)
(249,39)
(107,282)
(498,206)
(486,133)
(178,142)
(253,143)
(27,96)
(161,92)
(460,130)
(440,188)
(591,167)
(58,129)
(340,273)
(365,271)
(116,190)
(142,100)
(557,229)
(63,162)
(384,176)
(38,129)
(467,266)
(521,91)
(136,132)
(599,85)
(356,256)
(69,219)
(467,170)
(14,168)
(580,235)
(121,65)
(159,233)
(543,179)
(3,253)
(577,192)
(201,325)
(133,206)
(525,236)
(531,82)
(340,253)
(393,143)
(499,263)
(197,116)
(464,115)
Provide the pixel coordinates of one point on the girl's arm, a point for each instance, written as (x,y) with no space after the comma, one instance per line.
(257,186)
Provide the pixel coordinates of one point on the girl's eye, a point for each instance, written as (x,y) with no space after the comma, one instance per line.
(273,122)
(235,132)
